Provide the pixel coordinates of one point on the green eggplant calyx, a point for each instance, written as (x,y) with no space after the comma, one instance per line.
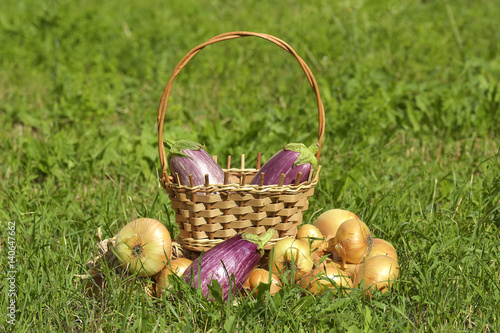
(306,154)
(260,241)
(176,148)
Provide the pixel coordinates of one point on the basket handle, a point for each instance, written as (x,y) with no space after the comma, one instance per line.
(222,37)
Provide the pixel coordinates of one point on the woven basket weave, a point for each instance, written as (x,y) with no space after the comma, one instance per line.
(209,214)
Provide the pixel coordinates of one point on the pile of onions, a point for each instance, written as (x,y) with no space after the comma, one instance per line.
(345,256)
(371,263)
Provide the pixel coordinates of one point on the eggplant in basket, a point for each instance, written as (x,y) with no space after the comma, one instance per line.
(293,159)
(189,159)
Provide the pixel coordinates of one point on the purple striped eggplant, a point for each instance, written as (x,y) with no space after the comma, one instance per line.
(190,158)
(229,263)
(292,159)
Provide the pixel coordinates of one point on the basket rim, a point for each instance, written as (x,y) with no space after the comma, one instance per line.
(223,37)
(194,244)
(247,188)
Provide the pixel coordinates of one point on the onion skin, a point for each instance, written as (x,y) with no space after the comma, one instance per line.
(383,247)
(312,236)
(376,273)
(292,159)
(229,263)
(144,246)
(291,254)
(177,266)
(324,277)
(353,241)
(349,269)
(189,158)
(329,222)
(261,276)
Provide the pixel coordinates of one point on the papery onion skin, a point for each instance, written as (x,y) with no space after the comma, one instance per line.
(349,269)
(377,273)
(329,221)
(229,263)
(383,247)
(353,241)
(262,276)
(177,266)
(290,253)
(318,257)
(144,246)
(325,277)
(312,236)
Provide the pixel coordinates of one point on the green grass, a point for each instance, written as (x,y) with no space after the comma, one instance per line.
(411,94)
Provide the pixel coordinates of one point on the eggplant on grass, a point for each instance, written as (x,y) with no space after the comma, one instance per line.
(229,263)
(292,159)
(189,158)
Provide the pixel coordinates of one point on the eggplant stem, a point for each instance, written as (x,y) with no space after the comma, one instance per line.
(260,241)
(176,148)
(168,143)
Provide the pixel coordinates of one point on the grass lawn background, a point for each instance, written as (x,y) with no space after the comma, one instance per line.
(411,95)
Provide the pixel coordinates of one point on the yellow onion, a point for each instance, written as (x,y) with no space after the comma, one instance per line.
(376,273)
(346,267)
(176,266)
(143,246)
(291,254)
(261,276)
(350,269)
(353,241)
(329,222)
(318,257)
(324,277)
(383,247)
(312,236)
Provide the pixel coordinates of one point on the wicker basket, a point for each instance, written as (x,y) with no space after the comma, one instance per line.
(207,215)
